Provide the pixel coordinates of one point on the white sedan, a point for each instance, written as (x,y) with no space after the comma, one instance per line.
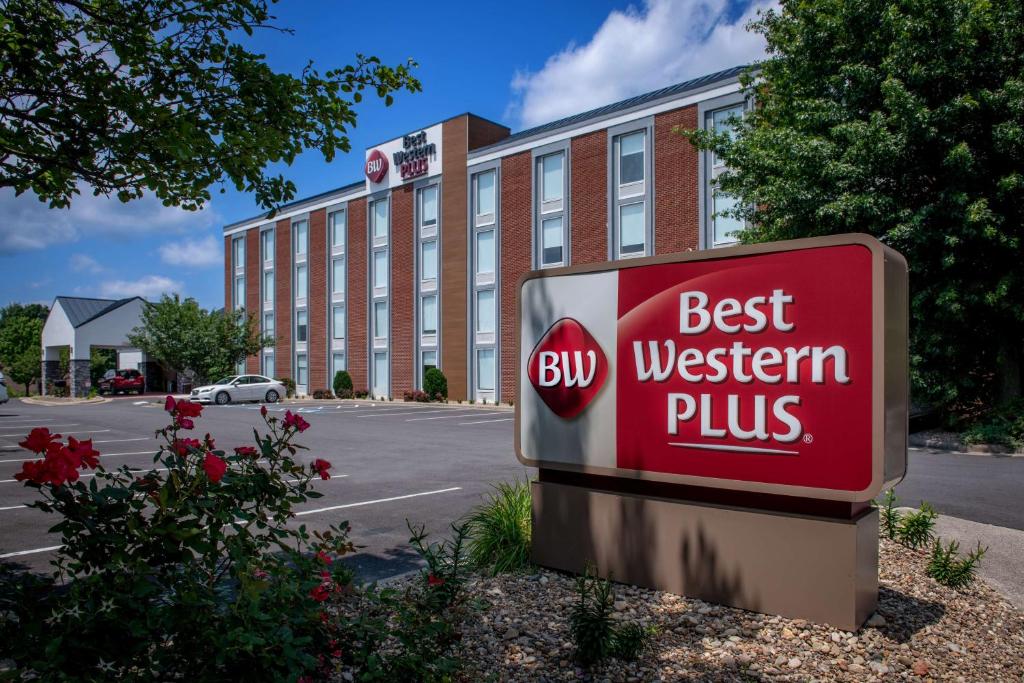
(240,388)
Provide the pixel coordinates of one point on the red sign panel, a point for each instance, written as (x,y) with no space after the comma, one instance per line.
(756,368)
(376,166)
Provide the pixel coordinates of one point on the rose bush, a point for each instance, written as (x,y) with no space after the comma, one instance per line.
(188,570)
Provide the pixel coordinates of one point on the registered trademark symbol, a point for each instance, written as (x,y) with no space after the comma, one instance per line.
(808,438)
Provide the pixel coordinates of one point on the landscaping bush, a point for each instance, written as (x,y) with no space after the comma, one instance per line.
(419,396)
(322,394)
(949,569)
(499,529)
(363,393)
(435,383)
(1003,426)
(915,528)
(889,515)
(289,385)
(343,384)
(187,571)
(594,632)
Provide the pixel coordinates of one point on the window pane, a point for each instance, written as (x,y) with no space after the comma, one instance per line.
(380,319)
(725,226)
(430,315)
(380,218)
(551,246)
(485,251)
(429,257)
(268,324)
(380,374)
(301,376)
(301,237)
(337,364)
(301,282)
(721,119)
(300,326)
(239,292)
(338,229)
(631,228)
(485,369)
(380,269)
(429,360)
(485,193)
(428,205)
(268,365)
(267,237)
(485,310)
(631,158)
(268,286)
(338,313)
(239,244)
(338,276)
(552,177)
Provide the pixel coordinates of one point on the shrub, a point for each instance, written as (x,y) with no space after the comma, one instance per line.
(915,529)
(949,569)
(1003,426)
(289,385)
(499,529)
(188,571)
(322,394)
(631,640)
(343,384)
(889,515)
(595,633)
(363,393)
(434,382)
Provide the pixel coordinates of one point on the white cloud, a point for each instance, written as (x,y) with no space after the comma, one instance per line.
(27,224)
(636,51)
(148,287)
(194,253)
(83,263)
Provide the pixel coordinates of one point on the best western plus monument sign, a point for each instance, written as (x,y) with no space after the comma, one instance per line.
(715,424)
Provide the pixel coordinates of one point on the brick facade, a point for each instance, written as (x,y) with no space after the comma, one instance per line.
(676,178)
(253,272)
(357,341)
(453,258)
(283,299)
(317,301)
(516,219)
(402,286)
(589,198)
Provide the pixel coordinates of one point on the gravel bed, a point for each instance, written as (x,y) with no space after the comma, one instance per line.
(922,631)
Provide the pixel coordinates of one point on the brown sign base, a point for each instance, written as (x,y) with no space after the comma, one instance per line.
(822,569)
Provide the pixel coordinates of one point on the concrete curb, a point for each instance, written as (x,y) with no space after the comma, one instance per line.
(76,402)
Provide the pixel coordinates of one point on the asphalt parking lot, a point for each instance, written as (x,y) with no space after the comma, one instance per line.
(426,463)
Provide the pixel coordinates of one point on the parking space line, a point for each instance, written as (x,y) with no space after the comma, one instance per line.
(102,455)
(436,417)
(30,426)
(414,412)
(379,500)
(77,431)
(483,422)
(30,552)
(86,475)
(141,438)
(15,507)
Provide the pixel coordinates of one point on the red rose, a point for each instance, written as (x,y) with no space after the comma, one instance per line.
(169,404)
(83,452)
(185,423)
(190,409)
(248,451)
(263,411)
(321,467)
(214,467)
(321,592)
(208,440)
(434,580)
(324,557)
(182,446)
(295,420)
(38,439)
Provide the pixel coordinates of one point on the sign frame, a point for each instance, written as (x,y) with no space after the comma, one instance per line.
(889,368)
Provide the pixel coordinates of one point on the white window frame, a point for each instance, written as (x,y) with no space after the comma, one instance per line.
(547,210)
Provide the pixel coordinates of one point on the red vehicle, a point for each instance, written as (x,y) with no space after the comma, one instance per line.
(122,381)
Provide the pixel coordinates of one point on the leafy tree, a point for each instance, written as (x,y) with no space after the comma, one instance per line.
(196,342)
(21,334)
(128,96)
(903,119)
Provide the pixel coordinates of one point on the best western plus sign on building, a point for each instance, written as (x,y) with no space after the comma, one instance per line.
(774,368)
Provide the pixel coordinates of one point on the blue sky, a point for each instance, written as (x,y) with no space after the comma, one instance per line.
(519,63)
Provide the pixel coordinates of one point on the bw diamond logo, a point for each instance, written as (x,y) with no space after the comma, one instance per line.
(567,368)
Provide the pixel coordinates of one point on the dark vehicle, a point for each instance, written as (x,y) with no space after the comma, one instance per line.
(122,382)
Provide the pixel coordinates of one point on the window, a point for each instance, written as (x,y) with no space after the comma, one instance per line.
(380,269)
(720,229)
(379,218)
(337,364)
(380,374)
(428,251)
(485,251)
(238,244)
(380,319)
(551,177)
(268,324)
(485,369)
(429,361)
(338,229)
(485,310)
(338,321)
(301,238)
(266,237)
(725,227)
(631,228)
(301,282)
(301,326)
(485,195)
(239,292)
(428,206)
(301,370)
(268,365)
(723,121)
(429,315)
(631,158)
(268,287)
(551,241)
(338,276)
